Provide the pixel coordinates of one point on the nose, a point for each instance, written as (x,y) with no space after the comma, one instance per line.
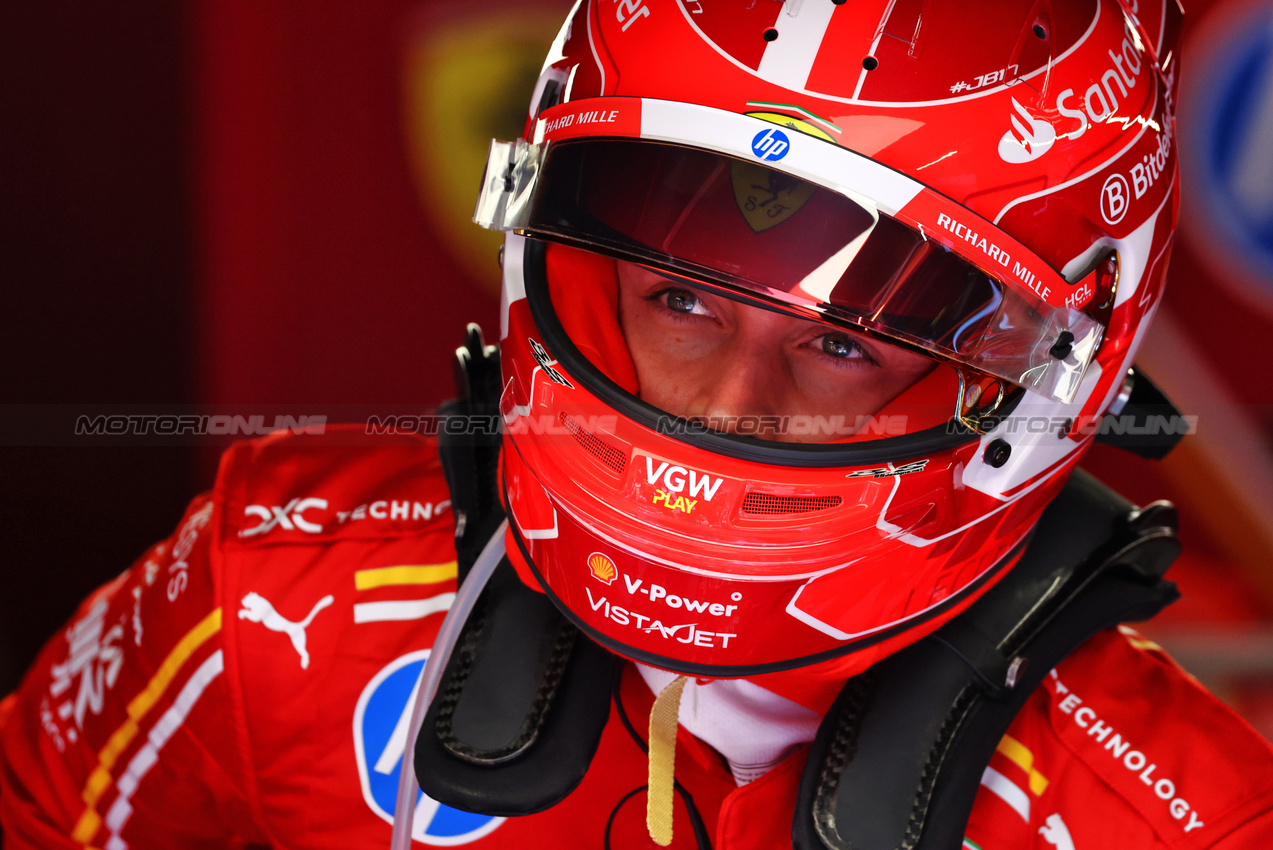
(745,381)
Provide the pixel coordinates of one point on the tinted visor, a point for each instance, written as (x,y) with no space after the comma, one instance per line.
(790,242)
(703,354)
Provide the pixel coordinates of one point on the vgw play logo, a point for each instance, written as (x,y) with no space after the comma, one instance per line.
(381,720)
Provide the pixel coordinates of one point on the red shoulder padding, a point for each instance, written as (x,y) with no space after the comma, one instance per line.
(343,483)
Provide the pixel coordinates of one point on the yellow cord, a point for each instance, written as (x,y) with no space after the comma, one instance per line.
(663,719)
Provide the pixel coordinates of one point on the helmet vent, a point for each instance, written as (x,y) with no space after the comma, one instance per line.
(772,504)
(594,445)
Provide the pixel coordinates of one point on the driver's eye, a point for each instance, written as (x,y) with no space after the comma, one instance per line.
(839,345)
(681,300)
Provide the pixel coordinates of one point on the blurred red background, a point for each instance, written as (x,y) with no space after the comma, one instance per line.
(265,206)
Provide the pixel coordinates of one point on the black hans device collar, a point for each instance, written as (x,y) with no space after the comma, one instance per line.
(896,762)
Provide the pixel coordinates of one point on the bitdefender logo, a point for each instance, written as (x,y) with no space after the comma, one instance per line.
(1029,138)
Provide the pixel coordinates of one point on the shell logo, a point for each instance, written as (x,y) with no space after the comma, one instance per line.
(602,568)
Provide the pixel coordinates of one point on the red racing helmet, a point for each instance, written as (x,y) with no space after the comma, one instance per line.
(990,185)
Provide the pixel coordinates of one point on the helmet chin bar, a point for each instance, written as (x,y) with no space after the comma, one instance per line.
(912,628)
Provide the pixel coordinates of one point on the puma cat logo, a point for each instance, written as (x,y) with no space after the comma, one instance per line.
(258,609)
(1057,833)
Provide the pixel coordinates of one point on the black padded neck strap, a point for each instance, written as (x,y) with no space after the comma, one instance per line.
(520,709)
(897,761)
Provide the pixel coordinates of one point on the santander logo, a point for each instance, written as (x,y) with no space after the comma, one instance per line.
(1029,138)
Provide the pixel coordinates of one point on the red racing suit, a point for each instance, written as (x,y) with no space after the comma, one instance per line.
(246,683)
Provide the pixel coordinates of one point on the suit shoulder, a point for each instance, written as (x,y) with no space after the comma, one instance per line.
(342,484)
(336,561)
(1153,734)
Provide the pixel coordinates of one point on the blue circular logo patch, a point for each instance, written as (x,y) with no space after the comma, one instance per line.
(1228,198)
(770,145)
(380,737)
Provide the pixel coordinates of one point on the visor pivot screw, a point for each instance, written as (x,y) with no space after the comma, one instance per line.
(870,63)
(1064,345)
(771,34)
(997,453)
(1015,669)
(1064,430)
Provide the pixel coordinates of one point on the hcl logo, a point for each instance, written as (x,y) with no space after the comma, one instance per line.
(770,145)
(380,738)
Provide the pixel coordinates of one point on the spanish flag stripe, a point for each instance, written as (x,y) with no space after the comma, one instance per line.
(100,779)
(410,574)
(87,826)
(118,742)
(186,647)
(1020,755)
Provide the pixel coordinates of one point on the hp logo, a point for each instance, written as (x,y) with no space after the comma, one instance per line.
(770,145)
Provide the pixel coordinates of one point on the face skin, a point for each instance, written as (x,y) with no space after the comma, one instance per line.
(699,355)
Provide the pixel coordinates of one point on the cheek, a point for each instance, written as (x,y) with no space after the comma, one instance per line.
(669,358)
(647,347)
(896,375)
(847,393)
(663,380)
(864,390)
(912,369)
